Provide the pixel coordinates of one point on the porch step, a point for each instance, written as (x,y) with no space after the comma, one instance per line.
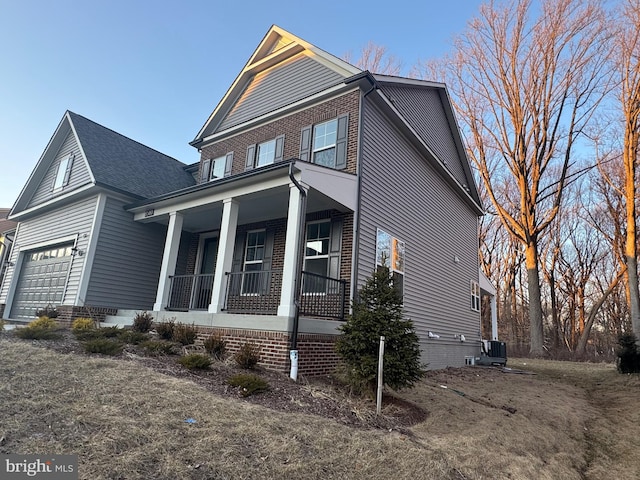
(124,318)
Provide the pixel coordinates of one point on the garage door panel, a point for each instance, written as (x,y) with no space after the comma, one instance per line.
(42,280)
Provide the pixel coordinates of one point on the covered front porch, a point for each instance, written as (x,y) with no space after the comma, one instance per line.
(260,243)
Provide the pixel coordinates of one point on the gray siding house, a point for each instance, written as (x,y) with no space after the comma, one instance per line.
(312,173)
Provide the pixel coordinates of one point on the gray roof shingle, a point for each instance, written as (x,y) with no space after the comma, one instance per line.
(126,165)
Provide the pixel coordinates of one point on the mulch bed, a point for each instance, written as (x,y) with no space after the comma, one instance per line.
(322,396)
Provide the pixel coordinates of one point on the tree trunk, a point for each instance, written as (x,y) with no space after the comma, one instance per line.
(535,301)
(630,248)
(584,336)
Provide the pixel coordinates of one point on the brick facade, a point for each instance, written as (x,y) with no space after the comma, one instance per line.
(316,353)
(290,126)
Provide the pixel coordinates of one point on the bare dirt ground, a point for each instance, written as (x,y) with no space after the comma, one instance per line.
(125,419)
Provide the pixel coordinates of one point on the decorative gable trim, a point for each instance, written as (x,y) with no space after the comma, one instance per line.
(277,46)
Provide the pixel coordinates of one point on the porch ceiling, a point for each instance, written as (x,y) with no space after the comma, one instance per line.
(256,207)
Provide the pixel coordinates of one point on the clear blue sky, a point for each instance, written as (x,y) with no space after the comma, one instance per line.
(154,71)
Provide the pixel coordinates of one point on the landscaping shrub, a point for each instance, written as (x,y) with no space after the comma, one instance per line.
(47,311)
(248,384)
(165,329)
(248,356)
(379,312)
(83,324)
(43,328)
(132,337)
(142,322)
(44,322)
(110,332)
(215,345)
(158,347)
(628,354)
(195,361)
(185,334)
(105,346)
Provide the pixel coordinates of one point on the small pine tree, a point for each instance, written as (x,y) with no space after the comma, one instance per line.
(379,312)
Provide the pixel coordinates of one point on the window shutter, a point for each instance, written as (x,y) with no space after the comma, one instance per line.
(305,143)
(251,155)
(341,142)
(235,281)
(67,173)
(206,166)
(335,246)
(267,259)
(279,154)
(228,166)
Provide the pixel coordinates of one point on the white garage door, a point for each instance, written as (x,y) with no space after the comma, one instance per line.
(42,280)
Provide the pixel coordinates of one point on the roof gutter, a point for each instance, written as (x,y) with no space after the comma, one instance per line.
(293,353)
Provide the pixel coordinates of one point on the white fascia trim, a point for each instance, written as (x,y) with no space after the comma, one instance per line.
(84,156)
(177,205)
(408,81)
(50,202)
(288,110)
(91,249)
(417,137)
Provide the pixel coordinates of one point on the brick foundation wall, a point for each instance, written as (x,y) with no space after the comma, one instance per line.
(2,307)
(316,353)
(68,313)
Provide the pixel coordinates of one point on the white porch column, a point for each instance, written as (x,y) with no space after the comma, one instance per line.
(494,318)
(291,251)
(171,246)
(225,253)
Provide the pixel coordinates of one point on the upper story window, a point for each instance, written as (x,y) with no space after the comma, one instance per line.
(214,168)
(63,173)
(266,153)
(324,143)
(218,167)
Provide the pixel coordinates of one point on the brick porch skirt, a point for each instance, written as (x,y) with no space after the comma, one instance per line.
(316,353)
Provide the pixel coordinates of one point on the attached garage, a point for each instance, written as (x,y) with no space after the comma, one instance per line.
(42,281)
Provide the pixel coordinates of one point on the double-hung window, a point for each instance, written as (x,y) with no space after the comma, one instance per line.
(217,167)
(324,143)
(253,260)
(475,296)
(390,253)
(316,257)
(266,153)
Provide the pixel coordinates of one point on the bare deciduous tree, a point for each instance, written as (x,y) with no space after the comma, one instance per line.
(525,88)
(376,59)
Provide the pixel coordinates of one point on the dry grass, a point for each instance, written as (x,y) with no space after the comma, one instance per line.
(485,425)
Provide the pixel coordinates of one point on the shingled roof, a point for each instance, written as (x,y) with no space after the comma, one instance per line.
(125,165)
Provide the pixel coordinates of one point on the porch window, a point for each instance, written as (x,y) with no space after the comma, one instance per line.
(475,296)
(253,259)
(324,143)
(316,256)
(390,252)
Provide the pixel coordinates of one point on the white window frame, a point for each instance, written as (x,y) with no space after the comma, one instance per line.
(265,153)
(316,257)
(214,162)
(395,258)
(475,296)
(252,262)
(317,149)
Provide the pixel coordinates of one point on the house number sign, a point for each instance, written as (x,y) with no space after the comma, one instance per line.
(149,212)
